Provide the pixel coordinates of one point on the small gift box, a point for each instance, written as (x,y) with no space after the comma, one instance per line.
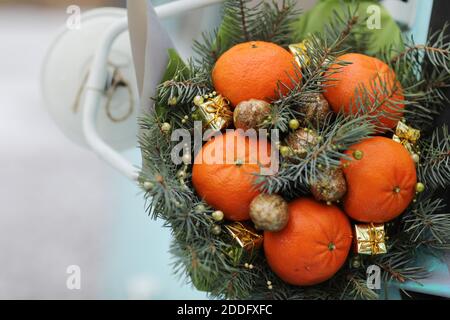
(300,53)
(214,110)
(370,239)
(245,235)
(407,136)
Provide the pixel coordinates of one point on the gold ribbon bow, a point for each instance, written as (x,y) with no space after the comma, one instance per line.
(370,239)
(407,136)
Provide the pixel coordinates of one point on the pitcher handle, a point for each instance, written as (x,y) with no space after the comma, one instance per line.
(97,78)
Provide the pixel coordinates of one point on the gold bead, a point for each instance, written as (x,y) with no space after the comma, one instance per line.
(186,158)
(270,287)
(250,266)
(198,100)
(294,124)
(148,185)
(420,187)
(216,230)
(415,157)
(181,174)
(172,101)
(217,215)
(166,127)
(183,121)
(356,263)
(285,151)
(358,154)
(269,283)
(200,208)
(246,265)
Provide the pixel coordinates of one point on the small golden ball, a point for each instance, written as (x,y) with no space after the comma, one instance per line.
(420,187)
(172,101)
(198,100)
(302,141)
(294,124)
(216,230)
(217,215)
(285,151)
(166,127)
(251,114)
(330,186)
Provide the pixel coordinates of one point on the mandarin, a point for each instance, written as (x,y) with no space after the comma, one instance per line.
(374,75)
(312,247)
(252,70)
(382,183)
(224,171)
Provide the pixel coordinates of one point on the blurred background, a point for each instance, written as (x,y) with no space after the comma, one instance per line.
(59,204)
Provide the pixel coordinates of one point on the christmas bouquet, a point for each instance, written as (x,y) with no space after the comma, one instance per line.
(285,168)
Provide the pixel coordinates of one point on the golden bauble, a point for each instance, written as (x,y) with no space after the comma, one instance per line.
(269,212)
(251,114)
(330,186)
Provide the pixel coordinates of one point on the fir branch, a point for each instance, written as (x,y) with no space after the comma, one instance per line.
(436,50)
(167,193)
(427,224)
(208,50)
(317,71)
(243,18)
(382,98)
(266,21)
(188,82)
(239,22)
(423,71)
(339,28)
(357,289)
(426,98)
(434,166)
(434,54)
(399,263)
(337,135)
(275,22)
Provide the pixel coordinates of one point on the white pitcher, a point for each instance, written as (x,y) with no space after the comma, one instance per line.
(98,78)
